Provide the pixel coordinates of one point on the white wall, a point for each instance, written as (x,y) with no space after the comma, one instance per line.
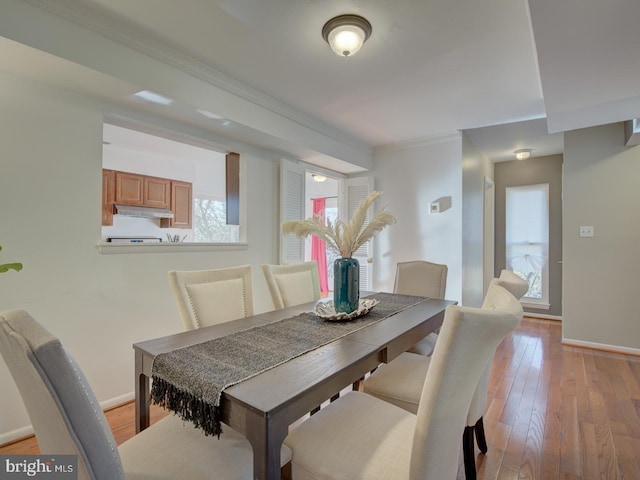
(410,179)
(50,211)
(601,274)
(138,62)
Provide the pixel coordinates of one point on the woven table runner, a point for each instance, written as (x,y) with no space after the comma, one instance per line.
(189,381)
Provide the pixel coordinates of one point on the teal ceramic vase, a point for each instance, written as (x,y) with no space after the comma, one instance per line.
(346,284)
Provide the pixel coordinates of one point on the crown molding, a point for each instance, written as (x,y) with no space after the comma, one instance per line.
(97,20)
(419,142)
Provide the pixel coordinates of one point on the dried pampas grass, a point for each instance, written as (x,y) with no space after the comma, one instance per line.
(344,238)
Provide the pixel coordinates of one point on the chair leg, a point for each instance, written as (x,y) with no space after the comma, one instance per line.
(468,449)
(285,472)
(480,438)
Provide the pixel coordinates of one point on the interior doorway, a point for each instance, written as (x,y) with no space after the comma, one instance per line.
(489,234)
(527,174)
(300,185)
(321,198)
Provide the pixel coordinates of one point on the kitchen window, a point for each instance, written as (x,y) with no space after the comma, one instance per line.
(210,221)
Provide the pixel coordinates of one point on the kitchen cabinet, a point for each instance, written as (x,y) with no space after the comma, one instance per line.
(157,192)
(108,196)
(181,206)
(147,191)
(129,188)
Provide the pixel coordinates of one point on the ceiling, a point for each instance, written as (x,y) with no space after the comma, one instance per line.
(510,74)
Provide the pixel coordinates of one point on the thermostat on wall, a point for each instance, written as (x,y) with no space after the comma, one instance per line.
(434,207)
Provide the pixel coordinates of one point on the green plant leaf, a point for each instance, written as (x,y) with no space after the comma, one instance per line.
(10,266)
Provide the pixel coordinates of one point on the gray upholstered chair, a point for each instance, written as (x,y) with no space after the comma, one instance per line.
(362,437)
(400,381)
(67,419)
(208,297)
(293,284)
(424,279)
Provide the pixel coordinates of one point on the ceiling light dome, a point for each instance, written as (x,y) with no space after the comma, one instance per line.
(345,34)
(523,153)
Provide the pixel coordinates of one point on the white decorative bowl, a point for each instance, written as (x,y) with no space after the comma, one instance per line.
(326,310)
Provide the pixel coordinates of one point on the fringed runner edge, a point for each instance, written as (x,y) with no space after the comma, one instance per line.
(187,406)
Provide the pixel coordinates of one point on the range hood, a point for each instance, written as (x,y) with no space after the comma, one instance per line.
(143,212)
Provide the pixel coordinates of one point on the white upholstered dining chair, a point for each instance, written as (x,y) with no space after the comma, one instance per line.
(400,381)
(424,279)
(293,284)
(67,419)
(517,285)
(209,297)
(362,437)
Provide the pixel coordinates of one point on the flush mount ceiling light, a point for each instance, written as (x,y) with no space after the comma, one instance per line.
(523,153)
(345,34)
(318,178)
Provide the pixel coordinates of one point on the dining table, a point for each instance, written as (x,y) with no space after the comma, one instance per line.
(264,406)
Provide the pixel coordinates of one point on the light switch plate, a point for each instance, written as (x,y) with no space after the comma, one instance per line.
(586,230)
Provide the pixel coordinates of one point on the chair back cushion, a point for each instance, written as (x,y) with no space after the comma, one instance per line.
(291,285)
(208,297)
(517,285)
(421,278)
(217,302)
(467,340)
(66,416)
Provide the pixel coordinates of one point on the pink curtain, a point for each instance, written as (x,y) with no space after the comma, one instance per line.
(318,247)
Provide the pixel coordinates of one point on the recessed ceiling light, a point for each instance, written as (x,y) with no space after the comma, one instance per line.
(208,114)
(152,97)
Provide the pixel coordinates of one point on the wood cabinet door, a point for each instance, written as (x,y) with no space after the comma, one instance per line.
(129,188)
(157,192)
(108,196)
(181,204)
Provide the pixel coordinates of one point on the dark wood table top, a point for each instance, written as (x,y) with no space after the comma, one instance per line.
(266,404)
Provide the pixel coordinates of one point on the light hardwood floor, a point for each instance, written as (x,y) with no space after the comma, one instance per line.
(555,412)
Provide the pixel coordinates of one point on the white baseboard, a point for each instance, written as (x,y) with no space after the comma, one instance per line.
(117,401)
(543,315)
(601,346)
(12,436)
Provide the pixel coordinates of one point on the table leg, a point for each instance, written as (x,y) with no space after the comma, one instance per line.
(266,438)
(142,395)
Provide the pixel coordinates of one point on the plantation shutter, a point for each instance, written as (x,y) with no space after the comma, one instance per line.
(292,191)
(356,190)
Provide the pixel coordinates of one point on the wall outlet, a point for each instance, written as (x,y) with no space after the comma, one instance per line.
(586,230)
